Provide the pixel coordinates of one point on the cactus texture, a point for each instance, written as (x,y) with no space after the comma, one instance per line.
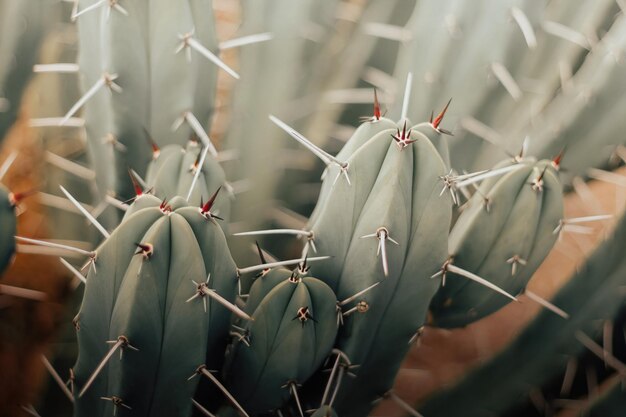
(7,228)
(291,333)
(503,234)
(382,217)
(591,296)
(149,292)
(149,56)
(190,173)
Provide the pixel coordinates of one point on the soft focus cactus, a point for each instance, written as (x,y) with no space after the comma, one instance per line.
(155,60)
(417,222)
(7,227)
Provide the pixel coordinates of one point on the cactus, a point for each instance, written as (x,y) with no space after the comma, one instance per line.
(504,233)
(155,60)
(146,295)
(23,26)
(187,172)
(381,191)
(7,227)
(590,296)
(291,333)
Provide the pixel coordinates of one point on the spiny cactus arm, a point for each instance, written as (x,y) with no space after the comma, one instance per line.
(502,236)
(8,225)
(598,81)
(343,204)
(24,25)
(591,295)
(406,201)
(160,322)
(101,291)
(173,171)
(292,332)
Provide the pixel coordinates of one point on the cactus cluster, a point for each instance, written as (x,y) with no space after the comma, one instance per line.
(415,224)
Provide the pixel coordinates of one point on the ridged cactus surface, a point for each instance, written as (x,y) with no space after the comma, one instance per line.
(147,297)
(503,234)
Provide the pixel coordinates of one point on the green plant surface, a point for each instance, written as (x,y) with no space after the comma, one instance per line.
(147,293)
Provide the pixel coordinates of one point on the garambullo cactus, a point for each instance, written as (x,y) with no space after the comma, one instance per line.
(158,61)
(503,234)
(157,291)
(23,26)
(546,346)
(291,333)
(190,173)
(381,216)
(7,227)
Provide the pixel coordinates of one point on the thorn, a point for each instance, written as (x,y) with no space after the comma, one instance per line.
(377,114)
(202,409)
(514,261)
(361,307)
(357,295)
(22,293)
(556,161)
(525,26)
(145,249)
(136,186)
(86,213)
(407,96)
(107,80)
(120,343)
(45,243)
(74,271)
(202,370)
(403,139)
(55,376)
(537,183)
(382,234)
(506,79)
(156,151)
(304,314)
(279,263)
(601,353)
(117,402)
(189,42)
(245,40)
(317,151)
(205,209)
(545,303)
(164,207)
(403,404)
(435,123)
(6,165)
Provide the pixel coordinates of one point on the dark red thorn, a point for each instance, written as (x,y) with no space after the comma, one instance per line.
(165,208)
(258,248)
(376,106)
(439,118)
(146,249)
(556,162)
(432,114)
(206,208)
(16,198)
(196,163)
(155,148)
(136,186)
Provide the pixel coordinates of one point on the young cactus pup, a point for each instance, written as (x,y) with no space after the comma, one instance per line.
(291,333)
(502,236)
(157,306)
